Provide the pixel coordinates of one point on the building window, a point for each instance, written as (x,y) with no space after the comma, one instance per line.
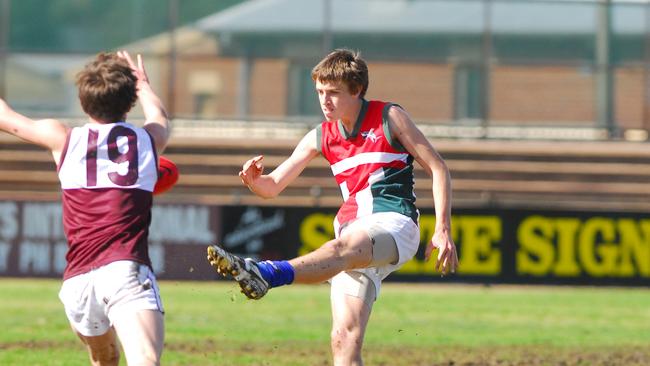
(468,92)
(303,100)
(204,87)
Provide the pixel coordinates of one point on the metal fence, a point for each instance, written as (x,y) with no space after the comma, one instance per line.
(462,65)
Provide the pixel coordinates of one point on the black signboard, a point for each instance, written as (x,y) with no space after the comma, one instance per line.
(494,246)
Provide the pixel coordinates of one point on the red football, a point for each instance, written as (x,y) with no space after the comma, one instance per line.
(167,175)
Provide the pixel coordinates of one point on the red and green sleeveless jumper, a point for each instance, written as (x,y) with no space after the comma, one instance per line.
(373,170)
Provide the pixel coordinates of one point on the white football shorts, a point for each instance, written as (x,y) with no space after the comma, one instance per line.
(93,299)
(407,238)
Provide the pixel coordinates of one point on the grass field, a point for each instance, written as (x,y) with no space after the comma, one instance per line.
(213,324)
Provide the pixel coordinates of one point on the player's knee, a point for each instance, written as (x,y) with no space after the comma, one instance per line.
(336,338)
(346,347)
(336,249)
(145,357)
(345,338)
(105,355)
(355,250)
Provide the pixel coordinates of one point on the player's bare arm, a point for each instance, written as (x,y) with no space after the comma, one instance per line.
(48,133)
(407,133)
(156,118)
(269,186)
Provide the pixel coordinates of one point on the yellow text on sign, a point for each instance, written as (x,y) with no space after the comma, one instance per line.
(597,247)
(479,236)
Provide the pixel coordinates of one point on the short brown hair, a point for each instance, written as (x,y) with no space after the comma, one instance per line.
(107,88)
(343,65)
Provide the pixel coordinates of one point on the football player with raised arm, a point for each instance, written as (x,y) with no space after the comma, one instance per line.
(108,169)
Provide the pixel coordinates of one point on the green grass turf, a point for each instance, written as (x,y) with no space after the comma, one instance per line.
(211,323)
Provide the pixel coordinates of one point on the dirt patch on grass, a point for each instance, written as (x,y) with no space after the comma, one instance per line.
(214,352)
(309,353)
(39,344)
(510,356)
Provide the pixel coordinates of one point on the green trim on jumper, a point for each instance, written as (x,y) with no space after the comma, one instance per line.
(384,117)
(395,193)
(357,124)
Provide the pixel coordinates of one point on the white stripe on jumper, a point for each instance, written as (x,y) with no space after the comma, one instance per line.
(366,158)
(364,197)
(345,192)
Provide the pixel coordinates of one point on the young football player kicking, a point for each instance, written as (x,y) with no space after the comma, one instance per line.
(371,147)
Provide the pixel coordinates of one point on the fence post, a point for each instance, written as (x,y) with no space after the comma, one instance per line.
(604,70)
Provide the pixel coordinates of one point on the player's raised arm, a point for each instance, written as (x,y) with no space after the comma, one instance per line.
(156,118)
(48,133)
(403,128)
(269,186)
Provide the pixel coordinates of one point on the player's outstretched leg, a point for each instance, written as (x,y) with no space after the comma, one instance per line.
(244,271)
(254,278)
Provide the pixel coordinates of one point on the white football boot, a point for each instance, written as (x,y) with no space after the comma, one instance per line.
(242,270)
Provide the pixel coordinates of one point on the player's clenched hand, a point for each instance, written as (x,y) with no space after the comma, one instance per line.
(447,257)
(251,170)
(138,70)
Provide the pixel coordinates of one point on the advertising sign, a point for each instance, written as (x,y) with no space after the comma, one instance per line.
(494,246)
